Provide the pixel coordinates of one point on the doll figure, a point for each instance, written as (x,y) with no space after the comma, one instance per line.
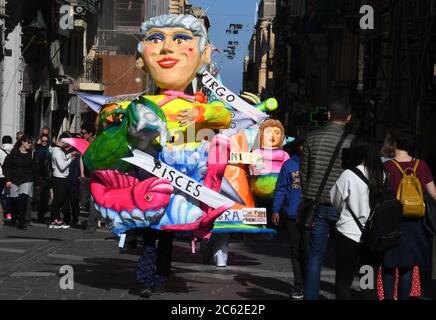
(269,159)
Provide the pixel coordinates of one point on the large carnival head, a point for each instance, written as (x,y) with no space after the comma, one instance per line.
(272,134)
(174,48)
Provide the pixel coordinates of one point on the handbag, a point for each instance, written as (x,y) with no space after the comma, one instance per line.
(307,207)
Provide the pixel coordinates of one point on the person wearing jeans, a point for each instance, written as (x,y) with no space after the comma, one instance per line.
(324,224)
(318,150)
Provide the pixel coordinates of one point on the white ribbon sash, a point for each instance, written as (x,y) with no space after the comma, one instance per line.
(178,180)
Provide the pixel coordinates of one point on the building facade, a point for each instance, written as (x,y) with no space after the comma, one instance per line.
(387,73)
(54,49)
(317,52)
(258,67)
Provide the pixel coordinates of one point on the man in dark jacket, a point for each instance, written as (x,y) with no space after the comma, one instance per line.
(318,150)
(43,165)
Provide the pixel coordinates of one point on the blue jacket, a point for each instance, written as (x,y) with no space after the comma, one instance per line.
(288,188)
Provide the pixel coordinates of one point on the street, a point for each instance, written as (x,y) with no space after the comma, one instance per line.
(31,260)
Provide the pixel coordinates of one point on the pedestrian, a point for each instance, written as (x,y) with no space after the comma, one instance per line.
(45,131)
(5,150)
(388,149)
(414,244)
(72,205)
(287,195)
(352,196)
(318,150)
(87,202)
(44,174)
(60,165)
(20,172)
(87,133)
(154,265)
(18,137)
(388,153)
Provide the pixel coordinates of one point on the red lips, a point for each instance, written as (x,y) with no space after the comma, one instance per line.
(168,62)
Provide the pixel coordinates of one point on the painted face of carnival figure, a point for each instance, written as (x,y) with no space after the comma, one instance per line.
(271,134)
(272,138)
(173,50)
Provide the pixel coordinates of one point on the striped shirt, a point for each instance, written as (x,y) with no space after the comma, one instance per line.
(318,150)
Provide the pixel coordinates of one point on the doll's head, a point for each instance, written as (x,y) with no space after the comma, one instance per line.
(174,48)
(272,134)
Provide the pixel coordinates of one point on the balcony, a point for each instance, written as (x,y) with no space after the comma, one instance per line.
(92,75)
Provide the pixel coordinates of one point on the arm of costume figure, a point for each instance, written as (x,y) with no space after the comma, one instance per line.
(281,189)
(213,116)
(275,156)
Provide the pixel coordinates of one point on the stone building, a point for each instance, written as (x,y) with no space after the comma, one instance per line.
(258,68)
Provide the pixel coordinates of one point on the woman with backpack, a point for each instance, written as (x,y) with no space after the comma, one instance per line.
(354,198)
(409,178)
(20,171)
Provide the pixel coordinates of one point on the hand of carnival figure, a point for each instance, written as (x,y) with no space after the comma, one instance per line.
(187,116)
(258,160)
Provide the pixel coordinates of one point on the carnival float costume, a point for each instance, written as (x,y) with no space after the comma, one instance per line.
(169,128)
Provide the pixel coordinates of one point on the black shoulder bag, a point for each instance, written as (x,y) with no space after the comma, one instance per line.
(307,207)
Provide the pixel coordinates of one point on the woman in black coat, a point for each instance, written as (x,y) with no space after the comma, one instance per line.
(20,172)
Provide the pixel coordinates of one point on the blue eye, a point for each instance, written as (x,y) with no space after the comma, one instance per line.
(155,38)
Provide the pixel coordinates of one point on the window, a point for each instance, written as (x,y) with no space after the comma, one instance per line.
(129,14)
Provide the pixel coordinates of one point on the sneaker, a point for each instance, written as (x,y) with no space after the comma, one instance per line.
(63,225)
(146,293)
(8,217)
(159,290)
(297,295)
(54,225)
(220,259)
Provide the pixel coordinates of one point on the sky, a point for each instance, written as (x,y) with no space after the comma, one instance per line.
(222,13)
